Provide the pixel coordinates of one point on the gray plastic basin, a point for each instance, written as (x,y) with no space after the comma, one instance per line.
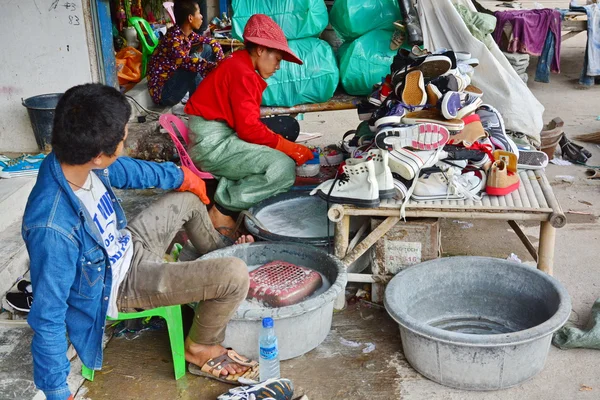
(300,327)
(476,323)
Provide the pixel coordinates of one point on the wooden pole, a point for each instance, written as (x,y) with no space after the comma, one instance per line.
(524,239)
(546,250)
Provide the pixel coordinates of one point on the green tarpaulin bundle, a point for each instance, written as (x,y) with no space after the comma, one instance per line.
(299,19)
(313,82)
(364,61)
(353,18)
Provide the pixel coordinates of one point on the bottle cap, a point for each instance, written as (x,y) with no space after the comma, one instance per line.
(267,322)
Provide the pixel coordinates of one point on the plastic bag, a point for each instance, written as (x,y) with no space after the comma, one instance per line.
(365,61)
(353,18)
(129,65)
(299,19)
(502,88)
(313,82)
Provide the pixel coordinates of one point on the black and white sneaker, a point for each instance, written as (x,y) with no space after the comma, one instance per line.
(271,389)
(20,301)
(493,124)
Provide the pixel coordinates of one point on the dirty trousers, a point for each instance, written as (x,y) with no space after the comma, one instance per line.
(248,173)
(218,285)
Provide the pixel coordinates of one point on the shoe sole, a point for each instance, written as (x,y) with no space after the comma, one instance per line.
(406,163)
(432,67)
(436,197)
(345,200)
(413,93)
(532,159)
(390,120)
(426,136)
(17,308)
(387,194)
(494,191)
(456,126)
(375,102)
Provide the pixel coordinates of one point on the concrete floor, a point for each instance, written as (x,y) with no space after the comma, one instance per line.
(142,368)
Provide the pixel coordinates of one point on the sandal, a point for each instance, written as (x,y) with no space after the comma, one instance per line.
(213,367)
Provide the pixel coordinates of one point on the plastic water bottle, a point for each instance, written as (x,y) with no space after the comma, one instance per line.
(268,350)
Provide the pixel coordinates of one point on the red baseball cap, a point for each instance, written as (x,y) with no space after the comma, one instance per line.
(262,30)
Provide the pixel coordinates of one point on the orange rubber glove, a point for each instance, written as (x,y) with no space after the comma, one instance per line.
(297,152)
(193,183)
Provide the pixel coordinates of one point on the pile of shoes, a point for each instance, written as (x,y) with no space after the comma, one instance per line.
(433,138)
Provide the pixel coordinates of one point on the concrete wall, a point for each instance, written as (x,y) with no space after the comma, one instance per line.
(44,50)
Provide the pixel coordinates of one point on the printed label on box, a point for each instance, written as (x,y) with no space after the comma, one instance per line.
(400,255)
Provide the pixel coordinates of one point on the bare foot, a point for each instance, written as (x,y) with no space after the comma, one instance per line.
(245,239)
(199,354)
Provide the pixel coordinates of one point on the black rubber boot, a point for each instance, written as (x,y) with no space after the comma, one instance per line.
(411,21)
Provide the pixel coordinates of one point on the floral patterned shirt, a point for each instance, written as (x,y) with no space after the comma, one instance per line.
(172,53)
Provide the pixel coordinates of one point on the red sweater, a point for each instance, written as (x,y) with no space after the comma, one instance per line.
(232,93)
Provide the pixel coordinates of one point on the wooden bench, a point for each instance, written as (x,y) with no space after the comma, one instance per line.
(533,201)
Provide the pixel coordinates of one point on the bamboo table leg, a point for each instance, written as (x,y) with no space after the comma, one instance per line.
(546,248)
(341,239)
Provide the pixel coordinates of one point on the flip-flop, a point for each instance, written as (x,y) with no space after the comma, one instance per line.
(213,367)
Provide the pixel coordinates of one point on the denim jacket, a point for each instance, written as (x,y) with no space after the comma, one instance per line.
(70,270)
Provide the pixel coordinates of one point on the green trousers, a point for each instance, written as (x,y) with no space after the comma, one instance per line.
(247,173)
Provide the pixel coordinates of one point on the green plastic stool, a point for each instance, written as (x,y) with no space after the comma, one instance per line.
(147,49)
(172,315)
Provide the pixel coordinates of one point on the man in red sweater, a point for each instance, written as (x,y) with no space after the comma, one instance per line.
(229,140)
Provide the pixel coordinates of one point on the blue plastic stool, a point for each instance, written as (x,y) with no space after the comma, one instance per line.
(172,315)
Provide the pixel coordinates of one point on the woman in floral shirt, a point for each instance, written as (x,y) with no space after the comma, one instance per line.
(172,70)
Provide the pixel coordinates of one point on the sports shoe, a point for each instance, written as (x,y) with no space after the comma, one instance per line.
(422,137)
(382,171)
(26,165)
(500,180)
(24,286)
(365,110)
(271,389)
(493,124)
(469,105)
(394,111)
(401,186)
(20,301)
(356,185)
(450,105)
(448,185)
(381,93)
(407,163)
(446,83)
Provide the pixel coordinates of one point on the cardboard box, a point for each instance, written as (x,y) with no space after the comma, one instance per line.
(407,243)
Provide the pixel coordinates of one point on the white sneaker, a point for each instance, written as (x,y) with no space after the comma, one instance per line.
(383,173)
(449,185)
(408,163)
(357,185)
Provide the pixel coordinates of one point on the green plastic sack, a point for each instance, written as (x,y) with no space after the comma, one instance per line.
(313,82)
(364,61)
(299,19)
(353,18)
